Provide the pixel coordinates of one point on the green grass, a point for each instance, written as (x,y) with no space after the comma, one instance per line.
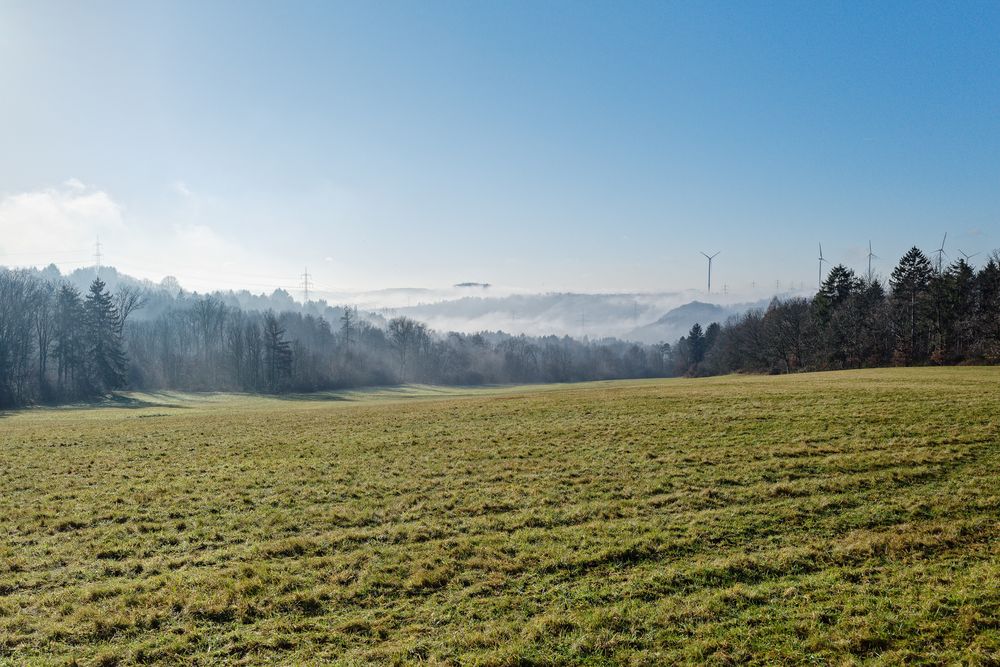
(828,518)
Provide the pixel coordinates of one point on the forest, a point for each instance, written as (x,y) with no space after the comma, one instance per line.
(924,315)
(58,344)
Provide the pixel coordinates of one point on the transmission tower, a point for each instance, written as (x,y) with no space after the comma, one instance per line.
(97,256)
(305,285)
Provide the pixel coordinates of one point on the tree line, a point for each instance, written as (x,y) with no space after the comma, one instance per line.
(924,315)
(58,344)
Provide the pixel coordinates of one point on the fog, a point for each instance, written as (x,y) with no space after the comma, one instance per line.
(641,316)
(647,317)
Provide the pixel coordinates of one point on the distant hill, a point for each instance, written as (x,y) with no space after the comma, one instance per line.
(556,313)
(628,316)
(678,322)
(466,307)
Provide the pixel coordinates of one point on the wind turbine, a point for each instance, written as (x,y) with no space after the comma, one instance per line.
(941,253)
(966,255)
(871,255)
(821,260)
(710,258)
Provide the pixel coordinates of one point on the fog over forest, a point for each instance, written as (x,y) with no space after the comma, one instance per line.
(646,317)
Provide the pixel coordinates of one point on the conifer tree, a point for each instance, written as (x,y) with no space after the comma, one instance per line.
(910,282)
(277,353)
(68,338)
(105,355)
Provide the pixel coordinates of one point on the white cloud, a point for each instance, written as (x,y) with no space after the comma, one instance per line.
(56,222)
(202,247)
(181,188)
(61,225)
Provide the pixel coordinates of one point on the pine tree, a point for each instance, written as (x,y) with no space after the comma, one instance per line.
(696,341)
(69,341)
(107,364)
(277,353)
(347,325)
(840,284)
(910,282)
(988,309)
(957,308)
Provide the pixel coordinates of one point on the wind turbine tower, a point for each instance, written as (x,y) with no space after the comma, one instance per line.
(941,253)
(819,281)
(871,256)
(710,258)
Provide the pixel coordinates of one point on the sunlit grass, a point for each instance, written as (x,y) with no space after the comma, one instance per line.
(827,518)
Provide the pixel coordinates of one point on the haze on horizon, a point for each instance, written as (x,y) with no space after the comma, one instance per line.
(561,146)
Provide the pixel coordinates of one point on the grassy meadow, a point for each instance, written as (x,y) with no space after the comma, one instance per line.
(834,518)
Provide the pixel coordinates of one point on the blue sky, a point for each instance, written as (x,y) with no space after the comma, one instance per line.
(553,145)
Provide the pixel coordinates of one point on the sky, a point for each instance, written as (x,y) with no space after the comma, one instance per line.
(538,146)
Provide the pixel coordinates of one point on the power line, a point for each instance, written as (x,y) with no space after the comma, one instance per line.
(44,254)
(284,282)
(68,262)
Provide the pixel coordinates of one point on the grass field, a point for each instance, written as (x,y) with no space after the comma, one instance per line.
(826,518)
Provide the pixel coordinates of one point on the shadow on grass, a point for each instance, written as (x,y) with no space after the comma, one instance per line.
(353,394)
(131,402)
(318,397)
(357,394)
(167,399)
(111,401)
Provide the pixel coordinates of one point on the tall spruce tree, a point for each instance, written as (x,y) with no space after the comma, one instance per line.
(840,284)
(69,348)
(277,353)
(957,308)
(696,341)
(347,326)
(910,283)
(107,364)
(988,309)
